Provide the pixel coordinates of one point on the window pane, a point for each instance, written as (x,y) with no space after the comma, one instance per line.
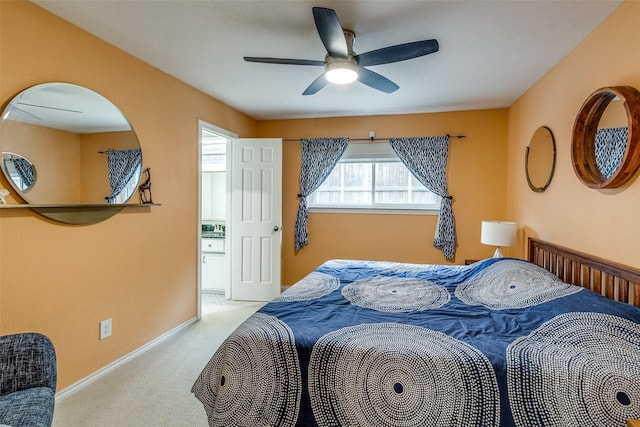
(357,183)
(357,175)
(357,197)
(333,180)
(391,183)
(325,197)
(423,197)
(373,184)
(391,175)
(420,194)
(329,192)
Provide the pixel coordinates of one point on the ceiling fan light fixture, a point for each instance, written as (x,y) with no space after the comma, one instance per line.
(342,65)
(341,72)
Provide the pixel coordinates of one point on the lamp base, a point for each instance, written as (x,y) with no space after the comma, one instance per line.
(498,253)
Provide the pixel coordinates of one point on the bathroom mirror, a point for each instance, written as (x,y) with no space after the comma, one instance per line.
(605,149)
(82,146)
(540,159)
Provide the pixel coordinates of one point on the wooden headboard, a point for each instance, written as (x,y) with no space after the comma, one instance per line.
(612,280)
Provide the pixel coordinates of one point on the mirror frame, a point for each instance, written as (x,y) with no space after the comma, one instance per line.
(583,154)
(553,162)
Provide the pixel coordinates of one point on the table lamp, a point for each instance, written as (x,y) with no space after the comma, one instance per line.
(498,233)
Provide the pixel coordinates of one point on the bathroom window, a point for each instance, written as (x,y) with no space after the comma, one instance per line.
(370,177)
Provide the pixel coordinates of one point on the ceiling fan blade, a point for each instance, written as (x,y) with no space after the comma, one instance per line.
(376,81)
(330,32)
(284,61)
(400,52)
(317,84)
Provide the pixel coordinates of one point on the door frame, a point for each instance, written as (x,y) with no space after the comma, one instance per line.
(229,136)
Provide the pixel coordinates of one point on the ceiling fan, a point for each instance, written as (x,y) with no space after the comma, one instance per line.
(342,65)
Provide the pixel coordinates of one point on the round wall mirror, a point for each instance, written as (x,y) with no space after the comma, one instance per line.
(540,159)
(605,149)
(20,171)
(82,146)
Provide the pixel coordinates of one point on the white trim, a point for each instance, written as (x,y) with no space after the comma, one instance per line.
(216,129)
(229,137)
(201,124)
(73,388)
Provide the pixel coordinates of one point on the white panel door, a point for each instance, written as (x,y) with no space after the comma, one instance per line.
(256,219)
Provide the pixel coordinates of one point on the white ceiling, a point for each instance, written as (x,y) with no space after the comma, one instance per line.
(491,51)
(66,107)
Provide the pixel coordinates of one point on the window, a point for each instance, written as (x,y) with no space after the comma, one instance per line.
(370,177)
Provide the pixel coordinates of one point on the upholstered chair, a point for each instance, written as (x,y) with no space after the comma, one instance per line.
(27,380)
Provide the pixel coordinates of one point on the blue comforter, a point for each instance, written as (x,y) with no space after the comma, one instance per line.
(501,342)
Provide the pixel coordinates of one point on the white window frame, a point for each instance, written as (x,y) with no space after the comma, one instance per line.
(374,153)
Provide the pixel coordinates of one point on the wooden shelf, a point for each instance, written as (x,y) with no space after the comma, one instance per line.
(74,205)
(77,213)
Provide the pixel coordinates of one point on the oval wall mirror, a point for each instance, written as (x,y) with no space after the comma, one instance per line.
(540,159)
(83,147)
(605,149)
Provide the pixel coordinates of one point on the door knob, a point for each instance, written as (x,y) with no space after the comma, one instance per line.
(276,228)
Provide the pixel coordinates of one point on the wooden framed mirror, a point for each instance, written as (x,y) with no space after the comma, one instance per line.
(605,149)
(540,159)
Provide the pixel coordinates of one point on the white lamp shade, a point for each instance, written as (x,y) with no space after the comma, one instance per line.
(498,233)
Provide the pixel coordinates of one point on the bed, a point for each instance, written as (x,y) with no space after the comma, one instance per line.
(551,341)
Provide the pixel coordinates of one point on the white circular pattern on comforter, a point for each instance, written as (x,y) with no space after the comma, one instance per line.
(396,375)
(314,285)
(396,294)
(513,284)
(591,355)
(255,378)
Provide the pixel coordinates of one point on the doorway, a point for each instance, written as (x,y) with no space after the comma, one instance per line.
(240,253)
(214,284)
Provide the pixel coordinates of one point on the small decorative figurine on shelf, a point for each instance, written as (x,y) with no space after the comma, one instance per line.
(145,188)
(3,193)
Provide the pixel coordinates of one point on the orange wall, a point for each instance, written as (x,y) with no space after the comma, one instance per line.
(477,182)
(55,155)
(604,223)
(138,267)
(69,167)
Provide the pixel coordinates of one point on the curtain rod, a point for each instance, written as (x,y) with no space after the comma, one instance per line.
(115,149)
(371,139)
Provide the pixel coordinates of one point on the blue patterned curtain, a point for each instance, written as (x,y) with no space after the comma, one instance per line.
(611,143)
(25,170)
(426,158)
(319,157)
(122,165)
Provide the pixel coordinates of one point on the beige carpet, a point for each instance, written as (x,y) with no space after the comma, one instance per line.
(154,389)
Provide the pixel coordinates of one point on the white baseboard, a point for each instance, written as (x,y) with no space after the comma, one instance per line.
(68,391)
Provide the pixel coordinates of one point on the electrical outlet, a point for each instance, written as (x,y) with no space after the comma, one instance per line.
(105,329)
